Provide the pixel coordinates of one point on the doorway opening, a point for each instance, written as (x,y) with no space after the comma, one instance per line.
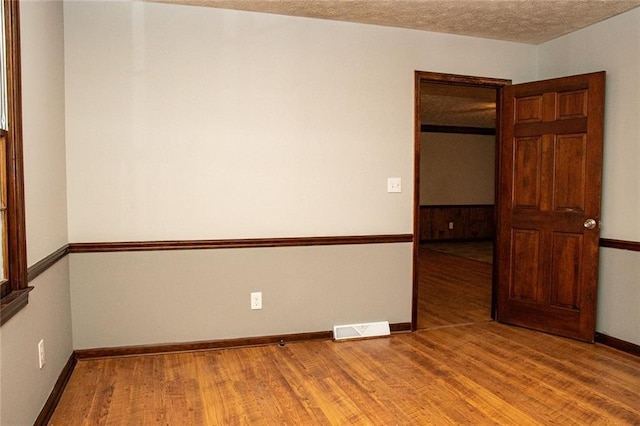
(457,129)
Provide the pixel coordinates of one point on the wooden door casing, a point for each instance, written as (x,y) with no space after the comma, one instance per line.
(550,183)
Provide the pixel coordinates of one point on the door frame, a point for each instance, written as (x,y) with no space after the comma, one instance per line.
(458,80)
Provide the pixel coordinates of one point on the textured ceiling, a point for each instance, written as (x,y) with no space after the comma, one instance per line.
(526,21)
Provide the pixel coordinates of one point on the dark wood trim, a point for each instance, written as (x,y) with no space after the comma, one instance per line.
(15,176)
(433,77)
(46,263)
(448,206)
(16,231)
(436,77)
(215,344)
(400,327)
(618,344)
(456,240)
(199,346)
(58,389)
(242,243)
(11,304)
(496,207)
(620,244)
(462,130)
(5,288)
(417,152)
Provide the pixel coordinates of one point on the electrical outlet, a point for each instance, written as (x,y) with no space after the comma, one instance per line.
(256,300)
(450,225)
(41,359)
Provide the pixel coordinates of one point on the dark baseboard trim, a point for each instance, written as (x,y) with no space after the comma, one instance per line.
(400,327)
(620,244)
(618,344)
(241,243)
(46,263)
(197,346)
(215,344)
(56,393)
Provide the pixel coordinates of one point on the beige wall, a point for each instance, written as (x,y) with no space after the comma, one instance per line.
(196,123)
(122,299)
(42,40)
(619,295)
(24,387)
(457,169)
(614,46)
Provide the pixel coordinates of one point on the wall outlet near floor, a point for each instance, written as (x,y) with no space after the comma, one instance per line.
(450,225)
(41,359)
(256,300)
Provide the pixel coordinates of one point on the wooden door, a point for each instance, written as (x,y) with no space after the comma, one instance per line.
(549,204)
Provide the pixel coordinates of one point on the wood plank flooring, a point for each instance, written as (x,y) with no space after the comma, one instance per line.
(452,289)
(480,250)
(485,373)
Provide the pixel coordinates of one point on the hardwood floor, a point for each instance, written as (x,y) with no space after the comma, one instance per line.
(480,372)
(485,373)
(480,250)
(452,289)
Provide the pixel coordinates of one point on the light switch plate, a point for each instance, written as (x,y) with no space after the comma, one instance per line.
(394,184)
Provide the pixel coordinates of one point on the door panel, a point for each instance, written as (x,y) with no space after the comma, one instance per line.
(524,279)
(569,172)
(565,270)
(527,172)
(550,183)
(572,104)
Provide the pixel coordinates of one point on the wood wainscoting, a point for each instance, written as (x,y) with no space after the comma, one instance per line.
(469,222)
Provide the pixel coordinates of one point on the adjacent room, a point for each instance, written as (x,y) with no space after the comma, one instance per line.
(456,197)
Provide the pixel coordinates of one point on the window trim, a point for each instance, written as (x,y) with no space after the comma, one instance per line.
(15,290)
